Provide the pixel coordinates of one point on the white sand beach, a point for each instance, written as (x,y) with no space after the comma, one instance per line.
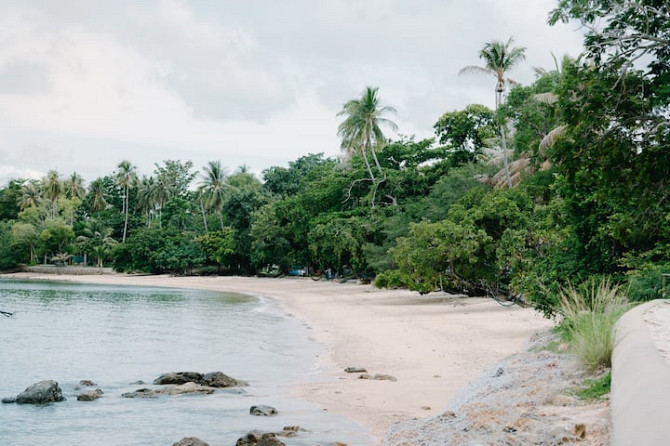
(433,344)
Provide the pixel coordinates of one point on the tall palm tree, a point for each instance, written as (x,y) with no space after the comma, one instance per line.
(214,184)
(126,178)
(147,199)
(361,129)
(53,188)
(499,58)
(99,195)
(73,186)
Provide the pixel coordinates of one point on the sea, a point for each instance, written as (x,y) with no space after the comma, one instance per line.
(120,337)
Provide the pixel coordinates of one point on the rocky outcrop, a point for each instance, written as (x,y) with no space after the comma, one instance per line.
(256,438)
(214,379)
(187,388)
(262,411)
(90,395)
(42,392)
(190,441)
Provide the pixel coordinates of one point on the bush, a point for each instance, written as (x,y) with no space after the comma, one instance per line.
(645,284)
(589,313)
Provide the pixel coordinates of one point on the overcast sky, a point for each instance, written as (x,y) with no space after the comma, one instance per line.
(85,84)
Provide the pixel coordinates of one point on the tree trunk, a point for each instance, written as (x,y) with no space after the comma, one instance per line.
(499,91)
(204,216)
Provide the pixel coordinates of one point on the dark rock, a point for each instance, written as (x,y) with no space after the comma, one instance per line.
(41,393)
(9,400)
(355,370)
(178,378)
(218,379)
(90,395)
(378,377)
(214,379)
(187,388)
(87,383)
(190,441)
(499,373)
(256,438)
(263,411)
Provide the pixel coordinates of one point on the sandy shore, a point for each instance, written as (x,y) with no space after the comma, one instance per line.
(433,344)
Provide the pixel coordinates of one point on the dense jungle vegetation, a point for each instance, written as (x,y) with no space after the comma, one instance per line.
(566,179)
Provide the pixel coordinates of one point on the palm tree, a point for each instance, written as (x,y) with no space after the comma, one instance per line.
(73,186)
(96,238)
(214,184)
(99,194)
(126,178)
(53,188)
(361,129)
(31,195)
(147,197)
(499,58)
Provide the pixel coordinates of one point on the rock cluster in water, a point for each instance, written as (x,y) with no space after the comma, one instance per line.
(214,379)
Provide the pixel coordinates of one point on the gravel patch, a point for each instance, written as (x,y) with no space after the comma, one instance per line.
(525,399)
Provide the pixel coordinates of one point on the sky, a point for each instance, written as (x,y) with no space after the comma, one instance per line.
(85,84)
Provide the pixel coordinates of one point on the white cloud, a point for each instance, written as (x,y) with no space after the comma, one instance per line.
(85,84)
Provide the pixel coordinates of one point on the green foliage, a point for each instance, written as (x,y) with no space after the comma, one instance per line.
(466,132)
(8,258)
(158,250)
(218,247)
(595,389)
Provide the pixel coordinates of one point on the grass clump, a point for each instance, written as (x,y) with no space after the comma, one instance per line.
(594,389)
(589,314)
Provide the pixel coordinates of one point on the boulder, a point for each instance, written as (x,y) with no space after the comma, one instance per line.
(256,438)
(90,395)
(87,383)
(190,441)
(262,411)
(218,379)
(9,400)
(178,378)
(213,379)
(41,393)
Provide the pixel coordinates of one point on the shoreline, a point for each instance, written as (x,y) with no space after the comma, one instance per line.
(432,344)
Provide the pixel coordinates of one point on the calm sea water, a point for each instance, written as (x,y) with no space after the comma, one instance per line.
(116,336)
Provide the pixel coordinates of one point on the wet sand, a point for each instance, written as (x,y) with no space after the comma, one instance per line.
(433,345)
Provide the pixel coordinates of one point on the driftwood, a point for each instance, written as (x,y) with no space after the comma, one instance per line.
(6,313)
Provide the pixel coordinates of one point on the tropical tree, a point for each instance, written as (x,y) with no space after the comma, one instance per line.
(96,238)
(73,186)
(214,187)
(31,195)
(53,188)
(126,179)
(499,58)
(98,195)
(361,130)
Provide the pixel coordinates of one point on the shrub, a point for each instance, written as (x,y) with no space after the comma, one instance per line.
(589,312)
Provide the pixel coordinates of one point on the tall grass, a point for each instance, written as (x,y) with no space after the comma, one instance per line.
(589,314)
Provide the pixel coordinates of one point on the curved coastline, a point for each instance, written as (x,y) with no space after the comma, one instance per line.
(433,345)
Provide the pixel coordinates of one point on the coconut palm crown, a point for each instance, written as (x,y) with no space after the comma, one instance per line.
(499,58)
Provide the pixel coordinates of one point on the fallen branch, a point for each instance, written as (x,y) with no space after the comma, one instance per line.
(6,313)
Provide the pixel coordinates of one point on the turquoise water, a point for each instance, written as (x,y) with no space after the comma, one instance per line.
(116,336)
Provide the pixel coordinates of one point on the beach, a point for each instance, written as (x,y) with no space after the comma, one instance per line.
(431,345)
